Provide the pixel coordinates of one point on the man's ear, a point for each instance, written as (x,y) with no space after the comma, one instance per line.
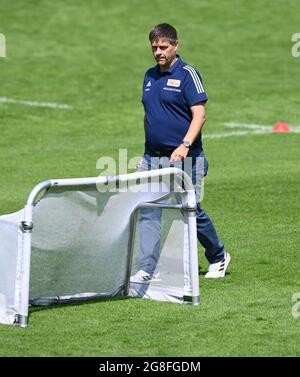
(176,46)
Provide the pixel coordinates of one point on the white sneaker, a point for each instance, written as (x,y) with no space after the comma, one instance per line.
(144,277)
(217,270)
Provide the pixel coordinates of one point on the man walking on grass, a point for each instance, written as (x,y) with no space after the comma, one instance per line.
(174,102)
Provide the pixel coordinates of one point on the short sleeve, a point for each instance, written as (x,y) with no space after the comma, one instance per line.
(143,87)
(193,89)
(145,76)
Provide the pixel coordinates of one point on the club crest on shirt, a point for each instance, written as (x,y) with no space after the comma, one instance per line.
(175,83)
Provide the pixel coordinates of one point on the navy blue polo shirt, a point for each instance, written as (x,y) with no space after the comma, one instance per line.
(167,99)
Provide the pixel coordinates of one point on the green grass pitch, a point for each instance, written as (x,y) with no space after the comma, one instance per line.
(92,56)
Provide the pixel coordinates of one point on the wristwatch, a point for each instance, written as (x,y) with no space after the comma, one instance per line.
(186,143)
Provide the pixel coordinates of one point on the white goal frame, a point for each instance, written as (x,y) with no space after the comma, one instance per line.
(27,227)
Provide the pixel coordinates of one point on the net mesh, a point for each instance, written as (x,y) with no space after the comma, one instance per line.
(88,243)
(167,242)
(81,244)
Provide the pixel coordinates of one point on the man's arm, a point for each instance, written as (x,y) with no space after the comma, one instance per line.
(198,114)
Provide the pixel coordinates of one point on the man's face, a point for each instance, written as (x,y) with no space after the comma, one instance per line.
(164,52)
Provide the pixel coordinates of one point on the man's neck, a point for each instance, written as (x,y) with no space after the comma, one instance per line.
(163,69)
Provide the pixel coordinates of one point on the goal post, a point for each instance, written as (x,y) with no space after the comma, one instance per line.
(81,239)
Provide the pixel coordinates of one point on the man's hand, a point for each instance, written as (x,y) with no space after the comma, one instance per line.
(179,153)
(198,113)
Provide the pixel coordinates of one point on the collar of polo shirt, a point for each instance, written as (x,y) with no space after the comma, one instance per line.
(172,68)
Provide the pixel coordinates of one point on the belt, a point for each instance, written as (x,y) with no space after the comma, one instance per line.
(159,152)
(166,152)
(162,152)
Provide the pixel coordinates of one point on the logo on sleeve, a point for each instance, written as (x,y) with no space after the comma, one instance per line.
(175,83)
(149,84)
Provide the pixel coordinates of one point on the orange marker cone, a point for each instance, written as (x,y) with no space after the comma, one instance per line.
(281,127)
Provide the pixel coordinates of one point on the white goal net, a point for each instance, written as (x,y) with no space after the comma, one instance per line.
(80,239)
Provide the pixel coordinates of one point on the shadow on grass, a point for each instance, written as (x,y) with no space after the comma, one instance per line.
(79,302)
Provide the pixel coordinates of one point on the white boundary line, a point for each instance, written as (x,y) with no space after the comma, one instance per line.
(252,129)
(234,133)
(257,126)
(247,129)
(35,103)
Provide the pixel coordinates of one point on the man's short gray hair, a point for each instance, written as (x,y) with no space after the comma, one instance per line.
(164,31)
